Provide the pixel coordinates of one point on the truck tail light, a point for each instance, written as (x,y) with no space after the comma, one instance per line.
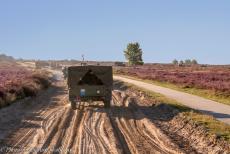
(78,98)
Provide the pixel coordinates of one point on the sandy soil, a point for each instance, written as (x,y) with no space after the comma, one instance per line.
(47,124)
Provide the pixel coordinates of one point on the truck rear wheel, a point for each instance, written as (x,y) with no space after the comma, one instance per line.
(73,105)
(107,103)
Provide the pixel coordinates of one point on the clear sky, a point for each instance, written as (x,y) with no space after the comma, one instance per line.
(101,29)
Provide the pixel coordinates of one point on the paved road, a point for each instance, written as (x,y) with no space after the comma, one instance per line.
(218,110)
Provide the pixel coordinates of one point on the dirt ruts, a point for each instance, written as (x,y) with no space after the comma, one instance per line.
(47,124)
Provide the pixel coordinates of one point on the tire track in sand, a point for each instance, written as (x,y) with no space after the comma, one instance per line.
(140,134)
(116,130)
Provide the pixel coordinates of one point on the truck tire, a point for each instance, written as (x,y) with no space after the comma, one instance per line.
(73,105)
(107,103)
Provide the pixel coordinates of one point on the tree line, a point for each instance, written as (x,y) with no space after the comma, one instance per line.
(185,62)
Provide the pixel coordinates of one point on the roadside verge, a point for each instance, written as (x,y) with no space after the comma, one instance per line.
(217,110)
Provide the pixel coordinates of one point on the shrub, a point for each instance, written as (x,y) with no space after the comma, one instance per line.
(41,79)
(17,83)
(29,90)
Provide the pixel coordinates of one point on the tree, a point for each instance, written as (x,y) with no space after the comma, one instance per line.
(188,62)
(175,62)
(194,62)
(181,63)
(133,54)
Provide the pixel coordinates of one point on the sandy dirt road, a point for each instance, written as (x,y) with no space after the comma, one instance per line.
(47,124)
(218,110)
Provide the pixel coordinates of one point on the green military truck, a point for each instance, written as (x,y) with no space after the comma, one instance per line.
(90,83)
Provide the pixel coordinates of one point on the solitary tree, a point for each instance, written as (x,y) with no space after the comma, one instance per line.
(194,62)
(133,54)
(175,62)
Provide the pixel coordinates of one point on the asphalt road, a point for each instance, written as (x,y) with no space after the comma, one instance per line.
(218,110)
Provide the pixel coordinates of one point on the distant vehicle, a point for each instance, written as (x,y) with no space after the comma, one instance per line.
(90,83)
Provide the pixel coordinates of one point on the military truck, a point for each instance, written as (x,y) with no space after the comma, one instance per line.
(90,83)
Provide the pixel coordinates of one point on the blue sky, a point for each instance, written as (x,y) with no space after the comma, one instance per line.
(101,29)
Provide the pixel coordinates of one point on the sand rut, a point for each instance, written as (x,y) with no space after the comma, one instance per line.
(122,128)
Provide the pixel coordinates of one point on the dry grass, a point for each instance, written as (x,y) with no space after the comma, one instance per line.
(213,126)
